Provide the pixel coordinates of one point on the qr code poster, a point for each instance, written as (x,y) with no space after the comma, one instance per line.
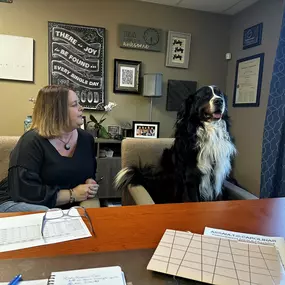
(77,60)
(127,76)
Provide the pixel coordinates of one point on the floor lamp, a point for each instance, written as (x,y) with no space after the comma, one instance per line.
(152,87)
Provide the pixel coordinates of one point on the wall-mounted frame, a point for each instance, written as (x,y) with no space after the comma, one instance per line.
(146,130)
(143,38)
(178,49)
(77,60)
(16,58)
(248,81)
(127,76)
(252,36)
(177,92)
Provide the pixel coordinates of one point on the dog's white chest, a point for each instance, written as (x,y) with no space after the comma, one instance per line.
(215,151)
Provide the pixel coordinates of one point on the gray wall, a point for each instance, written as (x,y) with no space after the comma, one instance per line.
(210,40)
(248,123)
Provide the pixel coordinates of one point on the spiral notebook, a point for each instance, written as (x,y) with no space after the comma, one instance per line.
(100,276)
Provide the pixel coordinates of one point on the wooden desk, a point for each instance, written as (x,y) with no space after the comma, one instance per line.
(141,227)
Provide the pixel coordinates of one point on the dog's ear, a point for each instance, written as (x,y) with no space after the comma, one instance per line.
(226,116)
(226,104)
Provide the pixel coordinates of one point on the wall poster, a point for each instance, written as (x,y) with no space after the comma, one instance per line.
(77,60)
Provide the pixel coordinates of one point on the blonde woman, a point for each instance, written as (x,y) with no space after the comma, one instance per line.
(53,164)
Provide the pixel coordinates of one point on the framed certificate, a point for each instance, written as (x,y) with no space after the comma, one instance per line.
(248,81)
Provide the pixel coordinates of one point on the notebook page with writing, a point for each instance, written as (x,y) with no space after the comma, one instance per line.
(99,276)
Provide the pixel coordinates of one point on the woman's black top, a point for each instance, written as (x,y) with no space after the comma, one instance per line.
(37,171)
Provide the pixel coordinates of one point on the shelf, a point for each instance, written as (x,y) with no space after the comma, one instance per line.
(98,140)
(111,158)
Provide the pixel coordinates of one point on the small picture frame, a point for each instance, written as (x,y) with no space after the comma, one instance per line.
(114,130)
(252,36)
(83,126)
(178,49)
(146,130)
(127,76)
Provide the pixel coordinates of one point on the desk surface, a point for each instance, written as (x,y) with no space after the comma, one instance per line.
(141,227)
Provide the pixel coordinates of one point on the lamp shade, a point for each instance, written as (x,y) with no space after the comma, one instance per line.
(152,84)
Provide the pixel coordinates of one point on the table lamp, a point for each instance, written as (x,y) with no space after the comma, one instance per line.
(152,87)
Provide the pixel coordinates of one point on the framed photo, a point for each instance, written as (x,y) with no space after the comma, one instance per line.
(178,49)
(146,130)
(83,126)
(127,74)
(252,36)
(248,81)
(114,130)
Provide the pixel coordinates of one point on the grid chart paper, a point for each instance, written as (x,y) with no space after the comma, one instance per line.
(216,261)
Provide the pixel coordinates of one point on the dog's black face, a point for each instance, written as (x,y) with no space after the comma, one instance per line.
(207,104)
(210,103)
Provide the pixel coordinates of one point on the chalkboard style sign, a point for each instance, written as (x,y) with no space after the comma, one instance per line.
(77,60)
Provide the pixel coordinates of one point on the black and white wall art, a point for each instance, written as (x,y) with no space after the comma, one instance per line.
(77,60)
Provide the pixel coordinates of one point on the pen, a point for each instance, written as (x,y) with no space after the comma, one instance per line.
(100,180)
(15,280)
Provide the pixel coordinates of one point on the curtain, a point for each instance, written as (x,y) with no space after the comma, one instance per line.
(273,154)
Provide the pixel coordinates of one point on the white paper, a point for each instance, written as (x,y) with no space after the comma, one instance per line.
(25,231)
(247,81)
(16,58)
(100,276)
(31,282)
(279,242)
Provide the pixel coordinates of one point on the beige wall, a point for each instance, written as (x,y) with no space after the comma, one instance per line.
(210,40)
(248,123)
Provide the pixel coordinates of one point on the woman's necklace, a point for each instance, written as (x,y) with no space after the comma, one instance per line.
(66,144)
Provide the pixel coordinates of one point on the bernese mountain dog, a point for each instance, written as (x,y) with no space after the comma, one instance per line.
(195,167)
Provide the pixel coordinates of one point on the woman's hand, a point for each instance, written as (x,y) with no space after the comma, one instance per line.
(90,181)
(82,192)
(93,189)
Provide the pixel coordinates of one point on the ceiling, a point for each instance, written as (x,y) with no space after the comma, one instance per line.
(228,7)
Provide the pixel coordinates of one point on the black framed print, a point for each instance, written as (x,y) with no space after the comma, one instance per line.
(248,81)
(77,60)
(127,74)
(252,36)
(146,130)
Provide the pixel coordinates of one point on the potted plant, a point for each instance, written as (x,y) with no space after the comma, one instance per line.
(95,127)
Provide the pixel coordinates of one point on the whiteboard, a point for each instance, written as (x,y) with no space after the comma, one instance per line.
(16,58)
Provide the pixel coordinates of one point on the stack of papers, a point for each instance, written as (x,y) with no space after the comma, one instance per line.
(25,231)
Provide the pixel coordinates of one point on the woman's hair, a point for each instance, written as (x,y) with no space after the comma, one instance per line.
(50,114)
